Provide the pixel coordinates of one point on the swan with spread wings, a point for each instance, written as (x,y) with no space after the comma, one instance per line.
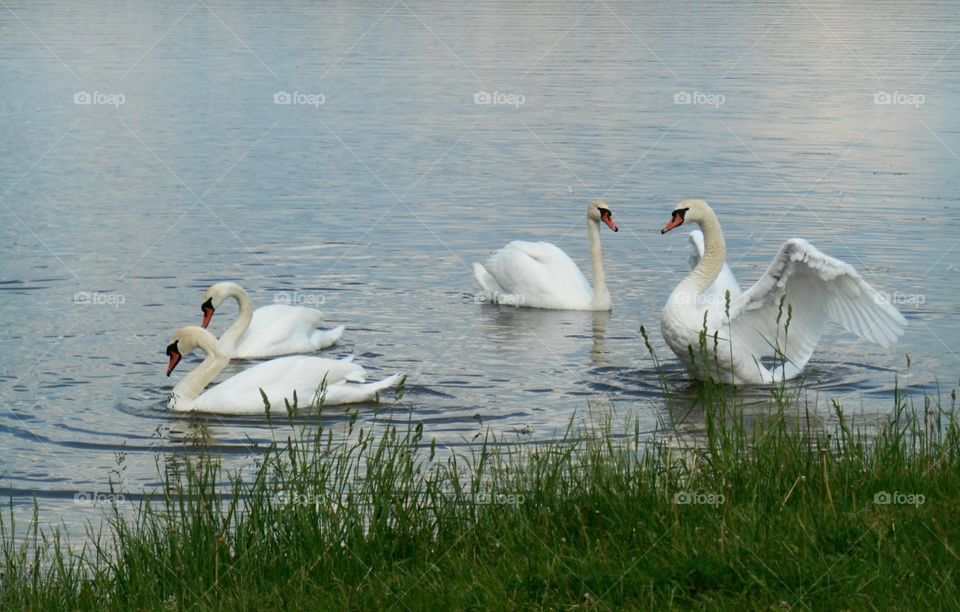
(754,343)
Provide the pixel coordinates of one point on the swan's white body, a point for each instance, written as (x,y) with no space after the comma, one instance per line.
(311,378)
(540,275)
(815,288)
(268,331)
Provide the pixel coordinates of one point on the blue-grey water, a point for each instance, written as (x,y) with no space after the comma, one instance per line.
(146,152)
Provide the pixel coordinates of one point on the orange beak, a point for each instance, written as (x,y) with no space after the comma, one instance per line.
(675,222)
(608,219)
(208,310)
(174,354)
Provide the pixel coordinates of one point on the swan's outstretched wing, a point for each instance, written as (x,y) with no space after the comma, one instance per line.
(726,281)
(820,289)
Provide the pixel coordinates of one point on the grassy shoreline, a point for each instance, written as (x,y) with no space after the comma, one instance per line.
(770,513)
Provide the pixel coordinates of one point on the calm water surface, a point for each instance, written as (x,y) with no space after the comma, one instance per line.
(377,201)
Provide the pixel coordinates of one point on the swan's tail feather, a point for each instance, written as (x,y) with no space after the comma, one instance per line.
(489,284)
(322,338)
(349,393)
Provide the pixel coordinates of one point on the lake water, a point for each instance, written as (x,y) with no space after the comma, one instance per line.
(143,157)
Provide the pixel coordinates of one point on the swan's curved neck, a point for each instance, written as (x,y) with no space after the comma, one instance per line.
(601,297)
(714,255)
(197,380)
(235,331)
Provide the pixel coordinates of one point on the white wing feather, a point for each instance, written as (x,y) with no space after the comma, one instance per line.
(820,289)
(539,273)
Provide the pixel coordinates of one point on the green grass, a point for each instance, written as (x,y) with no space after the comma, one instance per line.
(784,514)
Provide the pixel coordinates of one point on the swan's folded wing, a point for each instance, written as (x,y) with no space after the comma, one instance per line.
(819,289)
(534,268)
(695,247)
(280,329)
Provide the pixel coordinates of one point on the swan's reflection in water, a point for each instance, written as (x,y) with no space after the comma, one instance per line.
(546,334)
(803,403)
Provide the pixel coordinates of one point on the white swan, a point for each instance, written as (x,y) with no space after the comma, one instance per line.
(278,378)
(802,285)
(540,275)
(279,329)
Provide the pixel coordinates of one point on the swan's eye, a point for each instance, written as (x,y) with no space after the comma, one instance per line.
(208,305)
(172,349)
(605,212)
(680,211)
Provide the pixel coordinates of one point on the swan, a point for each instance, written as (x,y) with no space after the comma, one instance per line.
(802,284)
(268,331)
(278,378)
(540,275)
